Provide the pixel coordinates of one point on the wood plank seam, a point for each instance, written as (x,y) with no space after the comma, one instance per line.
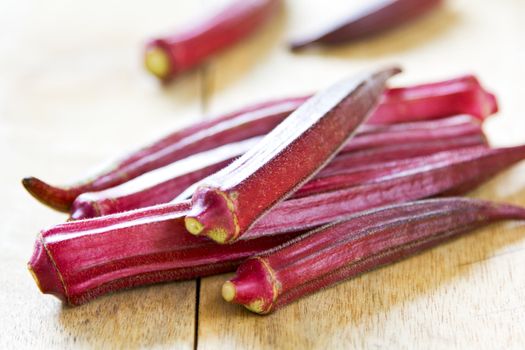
(204,97)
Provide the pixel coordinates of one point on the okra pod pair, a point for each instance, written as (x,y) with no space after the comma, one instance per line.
(226,204)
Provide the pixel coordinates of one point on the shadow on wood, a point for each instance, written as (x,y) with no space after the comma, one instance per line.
(237,61)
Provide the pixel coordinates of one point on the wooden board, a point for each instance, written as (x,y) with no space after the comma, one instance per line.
(73,93)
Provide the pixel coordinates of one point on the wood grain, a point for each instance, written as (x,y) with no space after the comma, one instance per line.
(73,92)
(466,294)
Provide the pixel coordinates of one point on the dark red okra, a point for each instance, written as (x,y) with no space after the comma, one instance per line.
(376,17)
(170,56)
(357,244)
(334,178)
(450,174)
(229,202)
(249,122)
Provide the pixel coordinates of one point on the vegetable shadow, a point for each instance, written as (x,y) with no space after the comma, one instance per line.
(234,63)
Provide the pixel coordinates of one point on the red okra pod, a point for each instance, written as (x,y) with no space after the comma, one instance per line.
(463,95)
(447,128)
(357,244)
(163,184)
(402,151)
(376,17)
(413,125)
(79,260)
(332,179)
(437,175)
(168,57)
(229,202)
(160,185)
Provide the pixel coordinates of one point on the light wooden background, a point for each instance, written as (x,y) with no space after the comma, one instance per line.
(73,93)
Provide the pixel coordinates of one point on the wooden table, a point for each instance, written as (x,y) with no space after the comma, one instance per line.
(73,93)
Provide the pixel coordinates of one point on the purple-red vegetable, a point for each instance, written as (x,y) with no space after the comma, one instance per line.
(334,178)
(415,125)
(437,175)
(168,57)
(160,185)
(359,243)
(376,17)
(228,203)
(423,131)
(402,151)
(463,95)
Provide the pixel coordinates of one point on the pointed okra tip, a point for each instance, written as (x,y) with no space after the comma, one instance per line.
(297,45)
(33,185)
(390,71)
(54,197)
